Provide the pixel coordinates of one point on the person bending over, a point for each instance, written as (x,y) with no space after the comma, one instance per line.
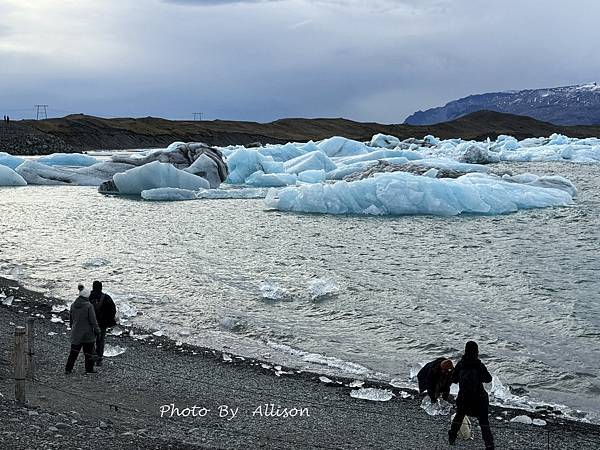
(436,377)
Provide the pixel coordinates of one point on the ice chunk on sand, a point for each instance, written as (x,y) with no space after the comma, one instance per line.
(522,419)
(310,161)
(539,422)
(67,159)
(113,350)
(8,301)
(156,175)
(401,193)
(8,160)
(325,380)
(168,194)
(439,408)
(372,394)
(8,177)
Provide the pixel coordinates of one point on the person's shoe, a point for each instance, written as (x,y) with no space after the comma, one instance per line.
(451,439)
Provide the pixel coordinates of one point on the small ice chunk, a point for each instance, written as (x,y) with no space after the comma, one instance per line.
(522,419)
(8,300)
(159,333)
(322,287)
(59,308)
(431,173)
(325,380)
(56,319)
(439,408)
(178,344)
(266,366)
(356,383)
(405,394)
(373,394)
(271,291)
(226,357)
(113,350)
(539,422)
(116,331)
(51,333)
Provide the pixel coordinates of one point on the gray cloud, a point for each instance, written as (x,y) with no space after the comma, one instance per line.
(293,58)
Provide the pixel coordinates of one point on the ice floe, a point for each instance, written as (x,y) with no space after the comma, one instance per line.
(400,193)
(8,177)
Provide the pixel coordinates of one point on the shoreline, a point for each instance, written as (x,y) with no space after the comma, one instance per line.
(133,387)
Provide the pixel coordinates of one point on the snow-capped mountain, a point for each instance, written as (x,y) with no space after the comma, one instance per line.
(568,105)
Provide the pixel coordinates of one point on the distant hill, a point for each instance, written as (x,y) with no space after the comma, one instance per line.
(80,132)
(568,105)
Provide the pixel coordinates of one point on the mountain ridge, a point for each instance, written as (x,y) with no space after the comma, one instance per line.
(564,105)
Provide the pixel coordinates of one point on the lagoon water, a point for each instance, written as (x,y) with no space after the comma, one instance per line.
(411,288)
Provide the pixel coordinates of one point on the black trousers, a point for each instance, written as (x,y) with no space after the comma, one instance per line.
(88,350)
(100,339)
(484,424)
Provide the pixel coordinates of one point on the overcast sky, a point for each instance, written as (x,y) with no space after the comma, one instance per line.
(371,60)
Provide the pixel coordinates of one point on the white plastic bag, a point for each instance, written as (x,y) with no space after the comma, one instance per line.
(465,431)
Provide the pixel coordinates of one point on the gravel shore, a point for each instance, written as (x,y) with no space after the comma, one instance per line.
(120,406)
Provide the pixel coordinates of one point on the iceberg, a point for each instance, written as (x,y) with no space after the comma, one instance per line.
(341,146)
(282,153)
(243,163)
(312,176)
(261,179)
(385,141)
(40,174)
(153,175)
(401,193)
(310,161)
(8,177)
(9,160)
(68,159)
(168,194)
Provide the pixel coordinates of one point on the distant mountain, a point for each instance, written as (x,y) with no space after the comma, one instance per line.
(568,105)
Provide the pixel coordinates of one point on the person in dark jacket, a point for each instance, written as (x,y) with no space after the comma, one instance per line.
(436,378)
(105,312)
(84,329)
(472,400)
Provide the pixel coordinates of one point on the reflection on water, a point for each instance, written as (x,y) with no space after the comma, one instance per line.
(524,285)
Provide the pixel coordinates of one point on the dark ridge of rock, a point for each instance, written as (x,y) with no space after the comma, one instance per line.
(386,167)
(76,133)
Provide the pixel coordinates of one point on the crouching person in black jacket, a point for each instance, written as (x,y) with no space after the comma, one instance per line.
(105,312)
(84,329)
(436,378)
(472,399)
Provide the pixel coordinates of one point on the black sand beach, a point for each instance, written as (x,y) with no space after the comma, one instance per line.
(120,406)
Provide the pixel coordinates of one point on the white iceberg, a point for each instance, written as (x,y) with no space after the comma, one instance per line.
(310,161)
(312,176)
(8,177)
(8,160)
(67,159)
(156,175)
(401,193)
(261,179)
(385,141)
(341,146)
